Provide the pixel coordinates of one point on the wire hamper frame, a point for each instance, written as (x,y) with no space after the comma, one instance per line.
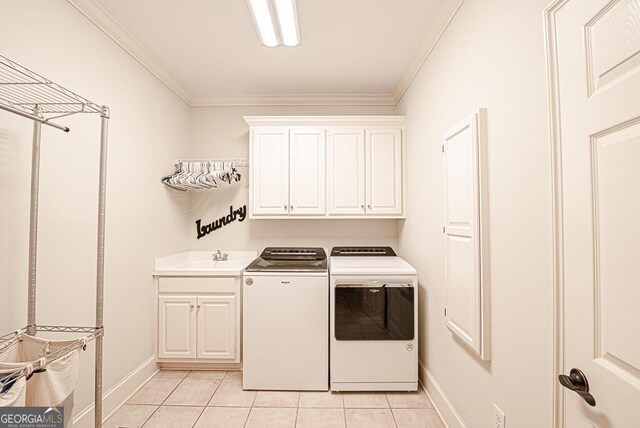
(30,95)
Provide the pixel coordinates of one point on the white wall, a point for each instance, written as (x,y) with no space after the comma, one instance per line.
(149,127)
(222,132)
(492,55)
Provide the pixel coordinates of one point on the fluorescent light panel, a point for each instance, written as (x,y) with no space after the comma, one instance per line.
(288,21)
(262,18)
(285,10)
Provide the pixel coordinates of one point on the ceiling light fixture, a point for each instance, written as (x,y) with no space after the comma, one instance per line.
(286,32)
(264,23)
(288,20)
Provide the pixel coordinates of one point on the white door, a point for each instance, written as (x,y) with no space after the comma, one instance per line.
(177,327)
(598,94)
(269,170)
(217,327)
(307,179)
(384,171)
(345,171)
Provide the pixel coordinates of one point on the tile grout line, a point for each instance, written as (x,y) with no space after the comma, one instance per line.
(147,420)
(344,413)
(295,423)
(393,415)
(198,418)
(174,389)
(166,398)
(214,392)
(160,405)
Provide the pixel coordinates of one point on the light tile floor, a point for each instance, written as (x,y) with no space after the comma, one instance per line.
(215,398)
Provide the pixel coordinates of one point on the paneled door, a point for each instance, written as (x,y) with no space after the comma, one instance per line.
(217,327)
(270,171)
(307,179)
(384,171)
(466,275)
(595,86)
(177,327)
(345,171)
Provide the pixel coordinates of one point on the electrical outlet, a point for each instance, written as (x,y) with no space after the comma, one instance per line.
(498,417)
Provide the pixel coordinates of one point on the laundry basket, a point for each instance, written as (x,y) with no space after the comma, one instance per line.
(16,393)
(49,388)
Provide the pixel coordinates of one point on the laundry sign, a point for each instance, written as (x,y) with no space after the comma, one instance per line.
(238,214)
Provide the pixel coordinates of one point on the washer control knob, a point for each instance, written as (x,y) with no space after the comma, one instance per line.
(248,281)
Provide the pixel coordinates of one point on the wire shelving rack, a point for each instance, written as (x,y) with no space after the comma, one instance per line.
(30,95)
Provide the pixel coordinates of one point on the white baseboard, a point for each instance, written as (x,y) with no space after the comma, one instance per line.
(118,394)
(441,402)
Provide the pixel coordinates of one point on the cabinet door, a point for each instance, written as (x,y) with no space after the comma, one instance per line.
(384,171)
(307,171)
(269,171)
(467,293)
(177,327)
(345,171)
(217,327)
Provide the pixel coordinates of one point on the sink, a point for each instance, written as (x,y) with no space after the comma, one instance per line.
(200,263)
(207,264)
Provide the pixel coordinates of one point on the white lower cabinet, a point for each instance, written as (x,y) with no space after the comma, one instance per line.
(177,321)
(198,320)
(216,327)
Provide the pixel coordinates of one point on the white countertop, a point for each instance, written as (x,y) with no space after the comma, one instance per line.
(200,263)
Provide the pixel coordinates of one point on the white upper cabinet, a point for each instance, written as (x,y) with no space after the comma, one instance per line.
(270,171)
(345,171)
(326,166)
(307,176)
(384,171)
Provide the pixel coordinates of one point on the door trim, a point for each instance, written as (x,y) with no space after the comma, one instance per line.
(555,139)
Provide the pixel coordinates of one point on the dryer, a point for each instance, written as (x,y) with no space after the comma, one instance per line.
(373,320)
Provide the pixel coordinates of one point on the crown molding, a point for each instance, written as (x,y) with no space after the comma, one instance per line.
(108,24)
(446,12)
(399,121)
(295,100)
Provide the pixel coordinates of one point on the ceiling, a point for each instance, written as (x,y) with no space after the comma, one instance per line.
(208,51)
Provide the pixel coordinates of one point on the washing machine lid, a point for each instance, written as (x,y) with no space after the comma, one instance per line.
(370,266)
(290,259)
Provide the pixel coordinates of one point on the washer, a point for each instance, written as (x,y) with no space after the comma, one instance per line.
(373,320)
(286,320)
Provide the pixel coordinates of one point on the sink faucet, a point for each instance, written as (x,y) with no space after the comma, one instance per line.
(219,256)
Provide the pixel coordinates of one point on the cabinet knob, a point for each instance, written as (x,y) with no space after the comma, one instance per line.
(248,281)
(191,306)
(291,207)
(285,207)
(198,306)
(362,206)
(369,206)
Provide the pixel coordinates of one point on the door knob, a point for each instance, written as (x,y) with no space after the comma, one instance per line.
(577,382)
